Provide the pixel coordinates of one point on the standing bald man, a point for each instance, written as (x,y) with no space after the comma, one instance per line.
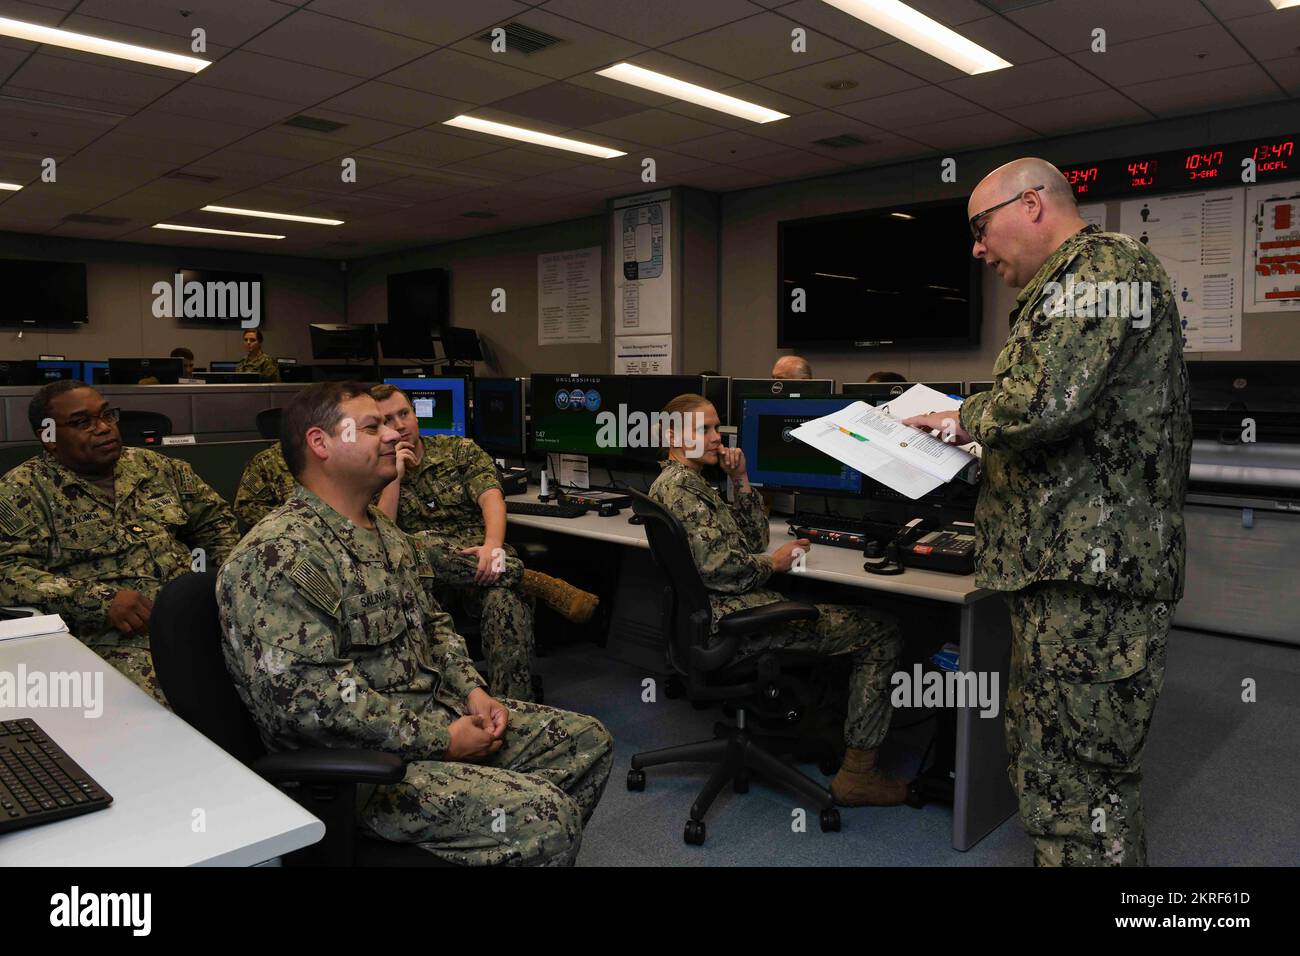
(1087,439)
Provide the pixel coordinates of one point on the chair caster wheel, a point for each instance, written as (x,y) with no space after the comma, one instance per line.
(828,765)
(830,820)
(740,785)
(674,688)
(694,834)
(914,799)
(636,780)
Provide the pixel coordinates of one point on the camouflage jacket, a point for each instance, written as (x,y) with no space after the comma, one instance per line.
(728,541)
(441,494)
(1087,434)
(267,369)
(264,486)
(333,636)
(66,549)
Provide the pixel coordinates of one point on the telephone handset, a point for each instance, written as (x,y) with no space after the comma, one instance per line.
(887,558)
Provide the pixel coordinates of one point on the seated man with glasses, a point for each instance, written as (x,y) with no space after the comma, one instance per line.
(91,530)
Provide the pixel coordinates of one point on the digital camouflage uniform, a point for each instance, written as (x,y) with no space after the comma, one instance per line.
(67,549)
(728,543)
(334,639)
(1087,438)
(440,497)
(264,486)
(267,369)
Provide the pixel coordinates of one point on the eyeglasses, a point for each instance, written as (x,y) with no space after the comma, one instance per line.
(85,423)
(976,223)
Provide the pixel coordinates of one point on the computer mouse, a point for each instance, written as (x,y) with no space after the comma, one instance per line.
(636,519)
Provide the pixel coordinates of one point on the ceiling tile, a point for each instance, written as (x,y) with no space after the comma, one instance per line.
(969,132)
(397,104)
(727,147)
(790,163)
(1286,72)
(283,143)
(1044,80)
(248,72)
(91,83)
(873,78)
(412,18)
(950,12)
(802,131)
(1231,9)
(581,49)
(437,147)
(336,44)
(756,46)
(1067,25)
(726,178)
(653,24)
(172,152)
(568,106)
(914,61)
(1198,50)
(227,23)
(836,23)
(903,109)
(1007,40)
(198,103)
(1269,36)
(654,128)
(157,124)
(1234,86)
(1088,111)
(448,73)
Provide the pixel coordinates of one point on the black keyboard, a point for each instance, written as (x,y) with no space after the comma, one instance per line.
(544,510)
(38,781)
(839,531)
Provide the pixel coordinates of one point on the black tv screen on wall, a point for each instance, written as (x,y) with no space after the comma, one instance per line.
(42,294)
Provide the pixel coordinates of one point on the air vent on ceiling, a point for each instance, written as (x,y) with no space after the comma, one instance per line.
(478,214)
(92,220)
(190,177)
(843,141)
(314,123)
(522,39)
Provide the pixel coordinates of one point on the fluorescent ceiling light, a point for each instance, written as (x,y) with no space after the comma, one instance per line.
(901,215)
(915,28)
(88,44)
(1283,4)
(273,215)
(215,232)
(12,187)
(532,136)
(699,95)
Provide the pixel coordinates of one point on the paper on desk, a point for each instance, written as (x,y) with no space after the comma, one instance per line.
(32,626)
(922,400)
(900,457)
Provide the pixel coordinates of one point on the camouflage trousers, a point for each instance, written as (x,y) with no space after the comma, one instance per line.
(525,805)
(870,638)
(1087,666)
(136,663)
(505,627)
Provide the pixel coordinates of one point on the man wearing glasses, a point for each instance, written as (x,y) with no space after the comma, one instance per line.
(1087,440)
(91,531)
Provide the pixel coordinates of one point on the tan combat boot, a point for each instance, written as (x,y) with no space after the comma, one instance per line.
(860,783)
(571,603)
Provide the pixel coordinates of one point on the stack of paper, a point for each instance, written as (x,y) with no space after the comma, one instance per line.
(868,439)
(32,626)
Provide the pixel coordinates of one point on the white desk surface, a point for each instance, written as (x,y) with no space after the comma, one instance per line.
(824,562)
(158,770)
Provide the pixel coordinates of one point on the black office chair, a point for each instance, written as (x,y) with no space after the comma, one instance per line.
(765,684)
(136,426)
(268,423)
(185,634)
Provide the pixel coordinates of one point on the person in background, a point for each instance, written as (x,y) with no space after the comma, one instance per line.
(728,543)
(885,377)
(791,366)
(187,361)
(256,360)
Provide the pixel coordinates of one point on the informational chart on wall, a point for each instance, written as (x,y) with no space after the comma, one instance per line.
(1094,214)
(643,267)
(568,297)
(643,355)
(1273,247)
(1198,239)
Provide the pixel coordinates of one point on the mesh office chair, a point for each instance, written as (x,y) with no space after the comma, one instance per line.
(138,427)
(185,634)
(268,423)
(765,685)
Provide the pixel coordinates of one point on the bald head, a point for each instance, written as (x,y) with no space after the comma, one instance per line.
(1018,237)
(791,366)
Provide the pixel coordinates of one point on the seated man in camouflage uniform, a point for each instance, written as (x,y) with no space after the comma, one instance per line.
(91,531)
(447,487)
(264,486)
(728,542)
(334,639)
(267,369)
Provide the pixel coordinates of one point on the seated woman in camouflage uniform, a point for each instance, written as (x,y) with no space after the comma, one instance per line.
(728,542)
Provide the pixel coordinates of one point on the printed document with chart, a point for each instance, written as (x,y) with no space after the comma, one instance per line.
(906,459)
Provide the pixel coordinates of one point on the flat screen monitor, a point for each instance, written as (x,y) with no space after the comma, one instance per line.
(132,371)
(335,341)
(646,395)
(406,341)
(40,294)
(777,459)
(499,423)
(565,410)
(717,389)
(61,367)
(419,304)
(223,366)
(213,297)
(94,373)
(743,388)
(973,387)
(439,403)
(877,393)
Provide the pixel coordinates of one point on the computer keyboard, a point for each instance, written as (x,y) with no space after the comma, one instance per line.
(544,510)
(38,781)
(839,531)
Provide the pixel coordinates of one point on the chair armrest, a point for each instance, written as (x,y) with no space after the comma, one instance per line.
(752,620)
(13,611)
(324,765)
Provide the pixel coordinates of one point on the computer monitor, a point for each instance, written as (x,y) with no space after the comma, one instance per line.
(335,341)
(131,371)
(777,459)
(973,387)
(877,393)
(646,395)
(461,345)
(743,388)
(439,403)
(499,422)
(228,378)
(717,389)
(565,409)
(66,369)
(223,366)
(94,373)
